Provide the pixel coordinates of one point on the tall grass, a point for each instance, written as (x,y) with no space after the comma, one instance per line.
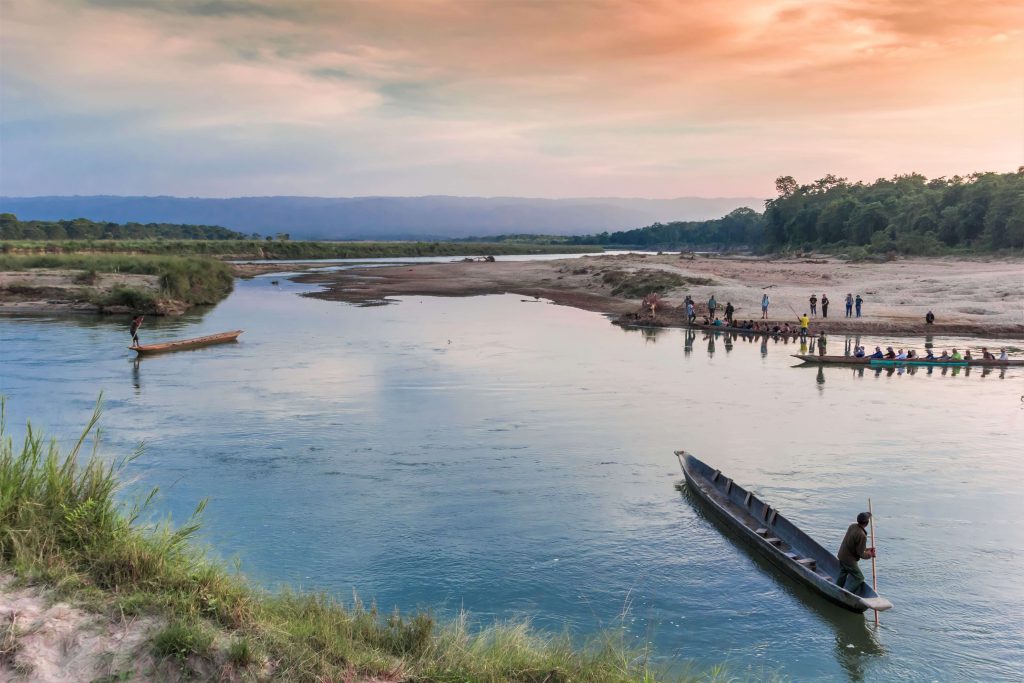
(194,280)
(62,523)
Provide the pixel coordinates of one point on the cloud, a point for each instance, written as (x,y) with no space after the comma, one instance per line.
(502,97)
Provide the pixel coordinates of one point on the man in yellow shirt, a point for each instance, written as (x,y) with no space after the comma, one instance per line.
(804,324)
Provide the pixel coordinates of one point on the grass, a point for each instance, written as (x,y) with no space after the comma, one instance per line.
(193,280)
(636,285)
(287,249)
(61,524)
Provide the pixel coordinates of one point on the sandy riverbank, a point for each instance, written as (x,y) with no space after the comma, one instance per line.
(976,296)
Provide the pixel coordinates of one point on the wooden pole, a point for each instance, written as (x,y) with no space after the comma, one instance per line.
(874,572)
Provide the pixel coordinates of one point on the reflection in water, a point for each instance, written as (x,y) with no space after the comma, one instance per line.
(711,343)
(650,334)
(821,374)
(688,339)
(855,643)
(136,380)
(764,346)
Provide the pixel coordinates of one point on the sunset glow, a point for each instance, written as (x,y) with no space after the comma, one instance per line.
(502,97)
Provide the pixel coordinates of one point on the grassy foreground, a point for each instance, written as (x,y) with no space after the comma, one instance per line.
(62,525)
(285,249)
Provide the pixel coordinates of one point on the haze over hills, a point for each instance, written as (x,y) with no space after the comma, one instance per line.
(431,217)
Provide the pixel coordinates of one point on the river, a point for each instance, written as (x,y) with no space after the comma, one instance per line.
(514,458)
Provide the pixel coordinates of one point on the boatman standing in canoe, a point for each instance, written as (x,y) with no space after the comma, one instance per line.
(852,550)
(134,329)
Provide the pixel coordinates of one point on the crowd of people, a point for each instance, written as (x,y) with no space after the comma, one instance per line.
(890,354)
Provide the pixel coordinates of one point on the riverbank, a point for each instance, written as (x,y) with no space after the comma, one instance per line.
(115,283)
(977,296)
(88,593)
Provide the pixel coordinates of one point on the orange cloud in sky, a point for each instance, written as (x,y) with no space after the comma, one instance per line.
(538,97)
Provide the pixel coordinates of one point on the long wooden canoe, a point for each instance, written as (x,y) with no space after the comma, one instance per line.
(773,536)
(853,360)
(887,362)
(183,344)
(834,360)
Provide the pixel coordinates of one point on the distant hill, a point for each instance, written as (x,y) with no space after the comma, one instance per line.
(434,217)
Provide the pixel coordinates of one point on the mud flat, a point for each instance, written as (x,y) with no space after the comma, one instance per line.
(967,296)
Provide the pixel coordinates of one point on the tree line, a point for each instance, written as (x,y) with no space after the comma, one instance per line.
(904,214)
(743,227)
(83,229)
(907,214)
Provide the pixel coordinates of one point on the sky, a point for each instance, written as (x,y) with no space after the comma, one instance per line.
(539,98)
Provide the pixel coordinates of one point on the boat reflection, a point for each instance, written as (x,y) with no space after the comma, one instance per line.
(856,643)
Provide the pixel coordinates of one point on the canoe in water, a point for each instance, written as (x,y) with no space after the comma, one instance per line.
(183,344)
(853,360)
(836,360)
(774,537)
(885,362)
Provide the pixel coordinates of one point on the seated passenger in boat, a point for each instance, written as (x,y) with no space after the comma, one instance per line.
(955,355)
(717,323)
(929,355)
(967,355)
(859,352)
(945,355)
(911,354)
(878,353)
(1002,355)
(889,353)
(986,354)
(902,355)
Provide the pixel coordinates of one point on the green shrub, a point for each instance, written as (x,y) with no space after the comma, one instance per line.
(183,639)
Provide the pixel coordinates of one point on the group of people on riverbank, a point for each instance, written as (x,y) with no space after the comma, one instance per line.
(854,306)
(853,303)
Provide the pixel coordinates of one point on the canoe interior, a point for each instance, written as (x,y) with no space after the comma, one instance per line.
(183,344)
(774,536)
(886,362)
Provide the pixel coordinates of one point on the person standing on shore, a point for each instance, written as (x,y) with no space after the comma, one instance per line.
(852,550)
(824,306)
(691,312)
(712,305)
(929,318)
(858,303)
(764,306)
(729,310)
(134,329)
(814,305)
(849,305)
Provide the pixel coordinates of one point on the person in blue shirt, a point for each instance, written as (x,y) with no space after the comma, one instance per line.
(878,353)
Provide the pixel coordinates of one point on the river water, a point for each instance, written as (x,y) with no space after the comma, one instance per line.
(514,458)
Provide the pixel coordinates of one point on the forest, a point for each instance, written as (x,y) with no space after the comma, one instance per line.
(905,214)
(83,229)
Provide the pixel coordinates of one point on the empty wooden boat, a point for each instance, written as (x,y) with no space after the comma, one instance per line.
(183,344)
(774,537)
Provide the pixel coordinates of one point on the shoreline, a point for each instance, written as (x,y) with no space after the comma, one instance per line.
(983,298)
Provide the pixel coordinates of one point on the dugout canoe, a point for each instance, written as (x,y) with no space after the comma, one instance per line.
(853,360)
(183,344)
(887,362)
(833,360)
(774,537)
